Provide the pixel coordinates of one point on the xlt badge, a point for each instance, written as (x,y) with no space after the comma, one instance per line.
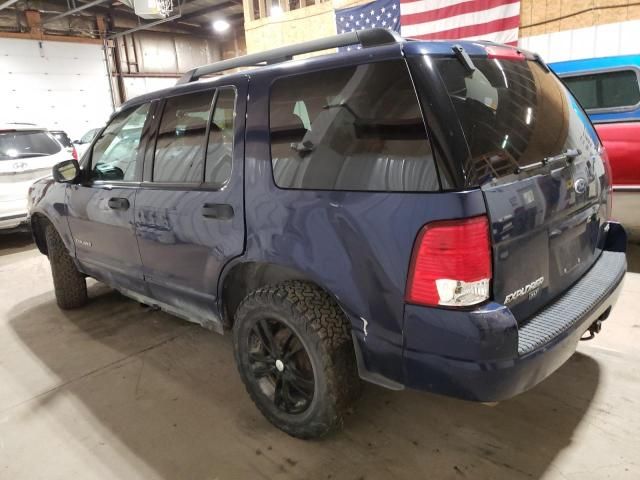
(82,243)
(530,288)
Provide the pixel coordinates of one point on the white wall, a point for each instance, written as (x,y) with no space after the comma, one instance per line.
(621,38)
(135,86)
(55,84)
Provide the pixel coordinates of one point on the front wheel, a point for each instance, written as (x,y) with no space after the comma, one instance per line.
(69,284)
(295,356)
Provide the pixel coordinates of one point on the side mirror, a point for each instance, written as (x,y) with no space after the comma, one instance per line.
(66,172)
(76,142)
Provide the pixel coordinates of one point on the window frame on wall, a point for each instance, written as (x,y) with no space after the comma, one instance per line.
(602,72)
(150,152)
(262,8)
(436,187)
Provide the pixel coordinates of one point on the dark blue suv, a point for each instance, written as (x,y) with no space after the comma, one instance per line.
(430,215)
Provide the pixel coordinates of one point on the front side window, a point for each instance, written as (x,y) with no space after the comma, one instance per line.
(220,146)
(351,128)
(115,152)
(614,89)
(179,156)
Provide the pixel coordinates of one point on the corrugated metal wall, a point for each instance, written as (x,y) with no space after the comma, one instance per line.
(598,41)
(54,84)
(153,60)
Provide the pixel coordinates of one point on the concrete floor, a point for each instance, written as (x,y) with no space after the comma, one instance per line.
(114,391)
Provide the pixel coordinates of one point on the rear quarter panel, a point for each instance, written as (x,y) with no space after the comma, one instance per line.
(355,245)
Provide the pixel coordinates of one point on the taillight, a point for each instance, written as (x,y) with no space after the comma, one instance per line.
(504,53)
(451,263)
(74,153)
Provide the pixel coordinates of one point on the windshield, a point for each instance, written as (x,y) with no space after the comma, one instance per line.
(88,137)
(27,144)
(513,114)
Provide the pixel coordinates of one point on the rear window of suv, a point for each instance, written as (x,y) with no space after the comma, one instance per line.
(27,144)
(513,114)
(353,128)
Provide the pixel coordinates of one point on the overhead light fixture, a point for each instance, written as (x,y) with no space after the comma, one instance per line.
(276,11)
(221,26)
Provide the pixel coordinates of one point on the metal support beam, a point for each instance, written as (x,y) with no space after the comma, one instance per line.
(116,12)
(209,9)
(75,10)
(146,25)
(6,4)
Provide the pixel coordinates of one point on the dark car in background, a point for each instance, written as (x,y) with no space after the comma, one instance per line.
(609,90)
(429,215)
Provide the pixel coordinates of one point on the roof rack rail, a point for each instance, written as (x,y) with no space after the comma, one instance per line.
(367,38)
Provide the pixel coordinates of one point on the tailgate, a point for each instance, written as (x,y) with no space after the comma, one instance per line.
(537,158)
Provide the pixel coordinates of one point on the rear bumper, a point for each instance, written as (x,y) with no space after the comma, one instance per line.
(542,344)
(14,220)
(483,354)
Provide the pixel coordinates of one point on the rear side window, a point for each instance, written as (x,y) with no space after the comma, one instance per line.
(179,155)
(352,128)
(614,89)
(27,144)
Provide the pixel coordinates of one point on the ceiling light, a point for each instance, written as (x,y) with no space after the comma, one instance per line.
(221,26)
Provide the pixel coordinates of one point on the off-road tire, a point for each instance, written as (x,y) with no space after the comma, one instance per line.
(69,284)
(323,329)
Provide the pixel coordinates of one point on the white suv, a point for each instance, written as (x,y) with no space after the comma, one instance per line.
(27,153)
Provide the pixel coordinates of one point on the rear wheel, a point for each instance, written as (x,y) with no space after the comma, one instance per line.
(296,359)
(69,284)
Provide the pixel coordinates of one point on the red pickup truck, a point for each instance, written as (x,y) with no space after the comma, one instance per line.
(609,90)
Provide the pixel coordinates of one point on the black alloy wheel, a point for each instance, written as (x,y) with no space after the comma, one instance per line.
(295,355)
(281,366)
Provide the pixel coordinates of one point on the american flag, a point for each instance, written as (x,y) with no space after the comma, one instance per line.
(495,20)
(378,14)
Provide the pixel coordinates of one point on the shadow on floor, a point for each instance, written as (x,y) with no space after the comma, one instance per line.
(15,242)
(170,393)
(633,257)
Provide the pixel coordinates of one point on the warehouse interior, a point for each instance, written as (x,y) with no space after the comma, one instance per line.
(120,389)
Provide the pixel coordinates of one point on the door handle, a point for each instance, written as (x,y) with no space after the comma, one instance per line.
(118,203)
(221,211)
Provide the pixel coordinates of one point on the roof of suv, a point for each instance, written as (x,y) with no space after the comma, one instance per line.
(20,126)
(392,40)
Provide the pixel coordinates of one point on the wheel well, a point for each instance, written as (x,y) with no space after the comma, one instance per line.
(246,277)
(38,225)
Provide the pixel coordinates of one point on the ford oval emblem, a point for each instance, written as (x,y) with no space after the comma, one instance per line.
(580,185)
